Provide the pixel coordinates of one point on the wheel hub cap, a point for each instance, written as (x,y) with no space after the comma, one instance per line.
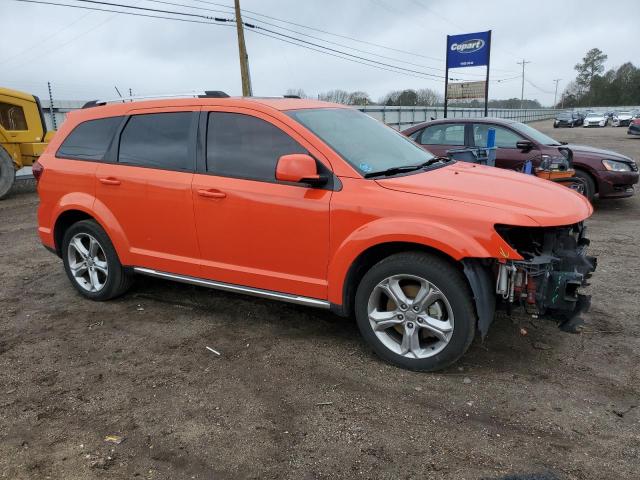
(410,316)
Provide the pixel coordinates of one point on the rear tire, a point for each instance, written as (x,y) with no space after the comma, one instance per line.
(589,184)
(416,311)
(7,173)
(92,263)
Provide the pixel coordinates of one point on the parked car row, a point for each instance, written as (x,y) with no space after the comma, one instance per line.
(595,119)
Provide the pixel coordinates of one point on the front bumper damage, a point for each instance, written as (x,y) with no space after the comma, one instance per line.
(554,268)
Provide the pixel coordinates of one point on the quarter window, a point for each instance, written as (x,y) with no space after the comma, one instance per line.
(505,138)
(443,134)
(89,140)
(158,140)
(12,117)
(243,146)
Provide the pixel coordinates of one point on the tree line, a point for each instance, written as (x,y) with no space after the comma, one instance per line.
(594,87)
(423,97)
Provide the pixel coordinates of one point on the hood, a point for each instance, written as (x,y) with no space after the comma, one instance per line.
(599,118)
(596,152)
(543,201)
(623,116)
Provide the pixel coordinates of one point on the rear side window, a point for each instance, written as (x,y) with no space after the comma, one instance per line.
(89,140)
(444,134)
(158,140)
(243,146)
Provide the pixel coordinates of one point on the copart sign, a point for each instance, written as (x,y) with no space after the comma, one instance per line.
(468,50)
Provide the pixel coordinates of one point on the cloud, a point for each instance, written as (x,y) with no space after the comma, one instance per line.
(86,54)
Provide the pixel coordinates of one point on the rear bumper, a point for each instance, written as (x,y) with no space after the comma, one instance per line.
(634,130)
(616,184)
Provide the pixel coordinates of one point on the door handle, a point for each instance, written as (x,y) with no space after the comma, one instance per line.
(212,193)
(109,181)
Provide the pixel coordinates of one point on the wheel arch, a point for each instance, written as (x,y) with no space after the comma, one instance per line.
(374,254)
(73,213)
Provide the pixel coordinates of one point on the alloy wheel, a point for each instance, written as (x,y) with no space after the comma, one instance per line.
(87,262)
(410,316)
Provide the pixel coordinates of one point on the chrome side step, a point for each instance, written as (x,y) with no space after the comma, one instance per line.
(229,287)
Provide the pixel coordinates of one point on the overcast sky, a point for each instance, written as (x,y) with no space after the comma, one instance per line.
(85,54)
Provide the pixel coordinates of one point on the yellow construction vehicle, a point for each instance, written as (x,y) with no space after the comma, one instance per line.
(23,134)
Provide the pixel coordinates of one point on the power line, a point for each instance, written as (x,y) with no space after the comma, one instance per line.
(257,32)
(215,19)
(219,21)
(43,2)
(341,52)
(306,35)
(346,37)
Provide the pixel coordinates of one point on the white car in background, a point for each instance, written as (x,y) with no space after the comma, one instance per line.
(594,119)
(621,119)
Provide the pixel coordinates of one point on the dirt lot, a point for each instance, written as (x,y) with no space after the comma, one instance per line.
(295,393)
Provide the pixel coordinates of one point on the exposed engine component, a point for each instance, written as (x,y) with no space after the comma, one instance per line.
(554,268)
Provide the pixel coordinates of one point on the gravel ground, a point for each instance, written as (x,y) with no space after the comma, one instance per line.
(295,394)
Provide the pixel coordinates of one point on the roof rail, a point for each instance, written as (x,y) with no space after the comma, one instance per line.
(205,94)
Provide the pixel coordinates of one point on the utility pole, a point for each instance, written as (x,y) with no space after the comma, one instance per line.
(555,95)
(523,63)
(242,50)
(51,112)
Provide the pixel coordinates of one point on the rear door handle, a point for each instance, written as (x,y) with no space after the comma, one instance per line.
(212,193)
(109,181)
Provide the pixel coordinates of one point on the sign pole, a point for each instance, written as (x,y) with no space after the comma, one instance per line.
(446,78)
(486,85)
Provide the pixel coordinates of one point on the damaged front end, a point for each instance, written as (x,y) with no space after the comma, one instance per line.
(547,281)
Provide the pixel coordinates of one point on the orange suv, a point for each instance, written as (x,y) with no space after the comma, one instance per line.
(311,203)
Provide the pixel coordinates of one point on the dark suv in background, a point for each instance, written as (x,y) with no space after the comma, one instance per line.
(606,173)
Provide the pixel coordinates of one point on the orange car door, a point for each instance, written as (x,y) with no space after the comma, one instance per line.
(253,230)
(147,188)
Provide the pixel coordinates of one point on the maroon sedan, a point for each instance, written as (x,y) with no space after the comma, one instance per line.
(606,173)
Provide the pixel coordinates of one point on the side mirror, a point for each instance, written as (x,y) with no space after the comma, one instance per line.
(524,145)
(299,168)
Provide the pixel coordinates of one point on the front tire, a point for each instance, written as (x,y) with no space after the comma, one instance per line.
(415,310)
(91,262)
(7,173)
(589,184)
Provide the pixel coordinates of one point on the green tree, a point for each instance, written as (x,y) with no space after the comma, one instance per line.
(592,65)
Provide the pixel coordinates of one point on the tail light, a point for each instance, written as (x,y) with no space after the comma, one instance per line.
(636,121)
(37,170)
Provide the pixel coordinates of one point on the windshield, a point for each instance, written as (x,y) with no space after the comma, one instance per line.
(624,113)
(565,116)
(367,144)
(536,135)
(593,115)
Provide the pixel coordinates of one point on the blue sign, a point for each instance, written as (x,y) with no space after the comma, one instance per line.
(468,49)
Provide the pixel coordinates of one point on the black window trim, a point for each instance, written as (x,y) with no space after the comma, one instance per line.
(106,157)
(114,150)
(333,182)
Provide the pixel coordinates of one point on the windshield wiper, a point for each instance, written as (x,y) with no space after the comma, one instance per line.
(405,168)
